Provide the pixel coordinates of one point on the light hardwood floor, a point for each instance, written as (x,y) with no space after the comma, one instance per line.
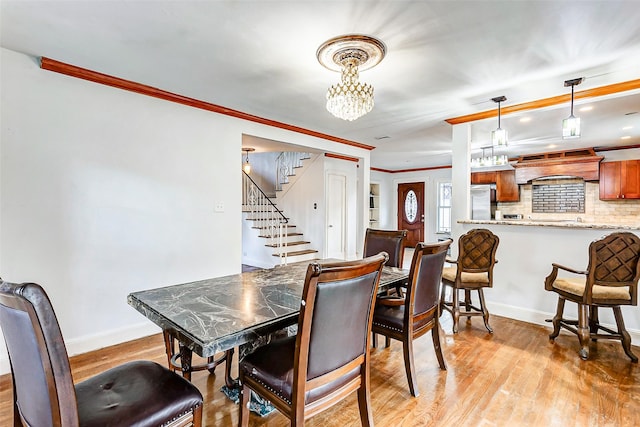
(515,377)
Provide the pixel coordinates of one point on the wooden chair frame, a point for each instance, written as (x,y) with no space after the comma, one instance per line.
(614,261)
(410,330)
(476,254)
(30,305)
(299,410)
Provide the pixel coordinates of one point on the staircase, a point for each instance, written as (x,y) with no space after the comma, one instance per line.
(280,236)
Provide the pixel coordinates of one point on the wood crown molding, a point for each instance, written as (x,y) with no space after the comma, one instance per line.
(96,77)
(341,157)
(548,102)
(411,170)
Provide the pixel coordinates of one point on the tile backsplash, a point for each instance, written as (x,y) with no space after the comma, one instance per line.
(559,196)
(595,210)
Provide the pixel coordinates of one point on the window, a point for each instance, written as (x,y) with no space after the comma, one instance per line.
(444,208)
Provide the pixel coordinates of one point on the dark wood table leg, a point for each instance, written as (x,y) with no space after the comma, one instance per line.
(185,360)
(229,382)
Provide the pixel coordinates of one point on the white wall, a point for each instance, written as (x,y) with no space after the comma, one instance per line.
(389,197)
(104,192)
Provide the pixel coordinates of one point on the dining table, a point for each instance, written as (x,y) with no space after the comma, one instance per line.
(243,310)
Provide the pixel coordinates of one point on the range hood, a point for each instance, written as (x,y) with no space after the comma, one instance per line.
(582,163)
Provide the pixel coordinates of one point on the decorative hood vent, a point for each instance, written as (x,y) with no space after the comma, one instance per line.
(583,163)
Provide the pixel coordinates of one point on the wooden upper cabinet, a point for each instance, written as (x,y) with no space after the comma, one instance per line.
(620,180)
(630,179)
(506,188)
(483,178)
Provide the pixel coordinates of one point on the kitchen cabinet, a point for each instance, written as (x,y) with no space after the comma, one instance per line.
(620,180)
(483,178)
(506,188)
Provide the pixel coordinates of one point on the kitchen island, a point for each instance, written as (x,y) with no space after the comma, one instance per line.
(526,251)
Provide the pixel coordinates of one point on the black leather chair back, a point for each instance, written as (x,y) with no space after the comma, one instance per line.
(341,297)
(425,277)
(389,241)
(42,383)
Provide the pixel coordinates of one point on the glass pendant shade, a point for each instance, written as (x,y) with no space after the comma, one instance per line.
(246,166)
(499,137)
(571,127)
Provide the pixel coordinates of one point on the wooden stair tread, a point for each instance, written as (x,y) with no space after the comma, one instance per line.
(288,234)
(266,227)
(294,253)
(301,242)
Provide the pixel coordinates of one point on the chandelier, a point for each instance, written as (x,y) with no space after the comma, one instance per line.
(350,54)
(489,160)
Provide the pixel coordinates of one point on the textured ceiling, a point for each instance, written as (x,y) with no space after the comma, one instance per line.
(444,59)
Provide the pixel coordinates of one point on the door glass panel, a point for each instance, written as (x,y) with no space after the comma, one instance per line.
(411,206)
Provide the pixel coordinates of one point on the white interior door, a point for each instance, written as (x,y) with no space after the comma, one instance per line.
(336,215)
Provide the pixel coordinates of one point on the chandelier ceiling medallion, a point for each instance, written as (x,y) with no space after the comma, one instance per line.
(350,54)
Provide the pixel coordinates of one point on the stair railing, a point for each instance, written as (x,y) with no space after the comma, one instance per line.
(286,163)
(270,221)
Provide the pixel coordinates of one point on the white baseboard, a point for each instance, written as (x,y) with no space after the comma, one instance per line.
(539,317)
(94,342)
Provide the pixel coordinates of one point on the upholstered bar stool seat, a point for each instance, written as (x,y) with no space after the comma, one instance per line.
(478,280)
(576,287)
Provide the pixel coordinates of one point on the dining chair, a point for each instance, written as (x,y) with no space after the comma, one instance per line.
(610,280)
(328,358)
(140,393)
(408,318)
(389,241)
(471,271)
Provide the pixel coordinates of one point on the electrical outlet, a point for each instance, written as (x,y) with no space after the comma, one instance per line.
(219,207)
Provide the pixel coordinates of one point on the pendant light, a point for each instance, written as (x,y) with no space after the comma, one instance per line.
(246,166)
(571,125)
(499,136)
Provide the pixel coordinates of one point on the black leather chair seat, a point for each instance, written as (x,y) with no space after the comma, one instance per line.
(389,317)
(393,318)
(272,365)
(128,395)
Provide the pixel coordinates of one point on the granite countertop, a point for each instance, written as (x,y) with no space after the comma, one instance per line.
(556,223)
(213,315)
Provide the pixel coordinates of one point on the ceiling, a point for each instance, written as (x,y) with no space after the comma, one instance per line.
(444,59)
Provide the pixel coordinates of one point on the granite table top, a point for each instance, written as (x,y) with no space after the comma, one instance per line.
(214,315)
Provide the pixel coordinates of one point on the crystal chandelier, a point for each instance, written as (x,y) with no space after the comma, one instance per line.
(350,54)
